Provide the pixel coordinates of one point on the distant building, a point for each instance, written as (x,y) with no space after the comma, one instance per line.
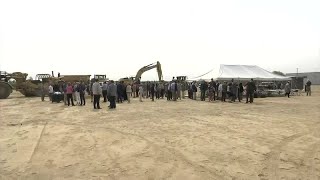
(314,77)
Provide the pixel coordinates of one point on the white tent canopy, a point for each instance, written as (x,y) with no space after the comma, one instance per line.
(242,73)
(246,72)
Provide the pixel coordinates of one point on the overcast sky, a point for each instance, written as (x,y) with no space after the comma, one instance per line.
(118,37)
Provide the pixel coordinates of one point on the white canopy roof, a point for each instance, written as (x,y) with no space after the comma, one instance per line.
(242,72)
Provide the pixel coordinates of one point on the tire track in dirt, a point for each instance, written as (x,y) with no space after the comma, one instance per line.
(170,173)
(271,170)
(35,150)
(38,142)
(311,153)
(208,123)
(173,151)
(310,156)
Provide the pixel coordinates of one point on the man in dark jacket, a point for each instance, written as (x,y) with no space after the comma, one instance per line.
(104,91)
(251,87)
(240,92)
(168,89)
(152,86)
(148,90)
(112,93)
(190,90)
(224,91)
(234,91)
(203,89)
(81,89)
(119,92)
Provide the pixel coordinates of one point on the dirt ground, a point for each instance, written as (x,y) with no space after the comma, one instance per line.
(274,138)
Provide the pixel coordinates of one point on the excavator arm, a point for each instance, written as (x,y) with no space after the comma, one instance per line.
(149,67)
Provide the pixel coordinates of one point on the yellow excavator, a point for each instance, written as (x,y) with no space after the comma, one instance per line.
(137,78)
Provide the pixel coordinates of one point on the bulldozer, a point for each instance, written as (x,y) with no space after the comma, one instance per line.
(21,84)
(31,87)
(5,86)
(136,79)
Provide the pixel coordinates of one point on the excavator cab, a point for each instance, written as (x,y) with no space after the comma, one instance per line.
(4,76)
(5,87)
(181,78)
(101,78)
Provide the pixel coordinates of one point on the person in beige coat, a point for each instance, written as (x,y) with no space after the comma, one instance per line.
(128,91)
(140,92)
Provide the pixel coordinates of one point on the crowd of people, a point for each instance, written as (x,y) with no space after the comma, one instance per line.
(118,92)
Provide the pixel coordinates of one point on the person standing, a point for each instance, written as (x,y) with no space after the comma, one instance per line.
(137,90)
(220,91)
(194,91)
(119,92)
(250,88)
(90,90)
(157,91)
(179,90)
(214,88)
(234,91)
(104,91)
(128,91)
(144,86)
(148,90)
(124,93)
(82,89)
(308,88)
(229,94)
(134,90)
(74,86)
(217,89)
(69,91)
(96,91)
(77,92)
(112,93)
(190,91)
(50,92)
(152,88)
(140,92)
(169,93)
(224,91)
(203,89)
(174,90)
(240,92)
(183,89)
(287,89)
(212,91)
(161,87)
(56,87)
